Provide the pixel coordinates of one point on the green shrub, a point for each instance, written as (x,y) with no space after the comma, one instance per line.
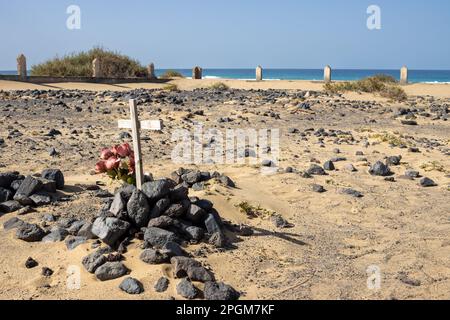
(169,74)
(220,86)
(171,87)
(384,85)
(113,65)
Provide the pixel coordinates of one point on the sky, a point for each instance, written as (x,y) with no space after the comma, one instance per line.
(233,33)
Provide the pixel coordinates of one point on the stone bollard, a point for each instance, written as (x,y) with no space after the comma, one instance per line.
(96,68)
(151,71)
(327,74)
(22,67)
(404,75)
(259,73)
(197,73)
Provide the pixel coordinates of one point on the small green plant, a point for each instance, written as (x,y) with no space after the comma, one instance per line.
(384,85)
(171,87)
(433,166)
(169,74)
(390,138)
(220,86)
(252,211)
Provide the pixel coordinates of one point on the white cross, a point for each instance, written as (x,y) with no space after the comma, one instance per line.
(135,125)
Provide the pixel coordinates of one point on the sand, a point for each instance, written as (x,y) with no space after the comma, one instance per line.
(423,89)
(399,227)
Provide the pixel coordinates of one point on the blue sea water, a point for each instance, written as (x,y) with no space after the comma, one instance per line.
(415,76)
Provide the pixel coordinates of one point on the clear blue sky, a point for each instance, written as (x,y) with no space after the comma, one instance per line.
(233,33)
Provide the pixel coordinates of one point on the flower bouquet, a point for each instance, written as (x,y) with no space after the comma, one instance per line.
(118,163)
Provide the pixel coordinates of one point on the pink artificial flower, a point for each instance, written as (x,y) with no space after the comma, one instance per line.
(106,154)
(112,163)
(127,148)
(131,165)
(114,150)
(123,150)
(100,167)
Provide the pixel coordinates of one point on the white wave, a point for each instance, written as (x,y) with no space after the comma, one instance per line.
(436,82)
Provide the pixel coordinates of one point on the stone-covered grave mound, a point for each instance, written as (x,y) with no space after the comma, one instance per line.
(161,215)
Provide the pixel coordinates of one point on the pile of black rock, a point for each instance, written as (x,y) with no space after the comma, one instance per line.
(161,215)
(164,216)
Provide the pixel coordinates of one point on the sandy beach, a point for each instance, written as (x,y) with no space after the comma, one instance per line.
(396,225)
(436,90)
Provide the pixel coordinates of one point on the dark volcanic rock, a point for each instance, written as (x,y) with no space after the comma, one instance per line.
(351,192)
(158,237)
(317,170)
(138,209)
(5,195)
(186,289)
(379,169)
(155,190)
(119,205)
(393,160)
(191,177)
(194,233)
(40,199)
(10,206)
(30,233)
(109,230)
(160,206)
(54,175)
(195,213)
(131,286)
(46,272)
(72,242)
(31,263)
(329,165)
(110,271)
(181,265)
(219,291)
(162,284)
(13,223)
(29,186)
(317,188)
(212,224)
(199,274)
(427,182)
(226,181)
(7,178)
(93,261)
(152,256)
(57,234)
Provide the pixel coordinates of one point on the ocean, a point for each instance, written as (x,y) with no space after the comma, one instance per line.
(415,76)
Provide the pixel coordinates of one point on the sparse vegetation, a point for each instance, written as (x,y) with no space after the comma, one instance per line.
(220,86)
(171,87)
(113,65)
(433,166)
(252,211)
(384,85)
(392,139)
(169,74)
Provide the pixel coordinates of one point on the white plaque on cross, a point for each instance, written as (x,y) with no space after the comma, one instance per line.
(135,125)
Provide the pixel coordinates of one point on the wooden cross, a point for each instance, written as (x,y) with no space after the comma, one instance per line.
(135,125)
